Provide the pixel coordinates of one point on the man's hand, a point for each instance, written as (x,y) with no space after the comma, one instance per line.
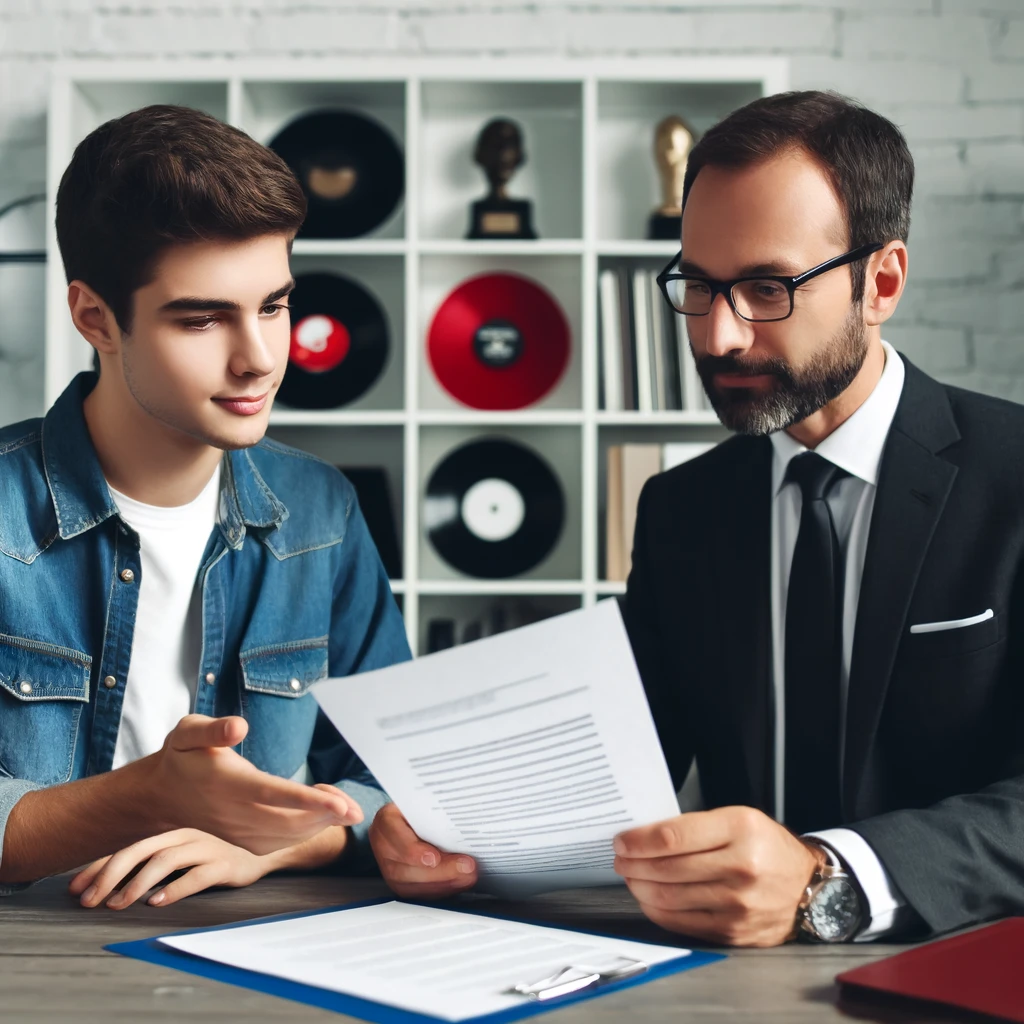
(197,781)
(412,867)
(731,875)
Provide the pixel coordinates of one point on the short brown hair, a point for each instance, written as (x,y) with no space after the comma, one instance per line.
(864,155)
(161,176)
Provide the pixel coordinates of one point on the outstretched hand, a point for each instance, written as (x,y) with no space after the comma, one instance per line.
(199,782)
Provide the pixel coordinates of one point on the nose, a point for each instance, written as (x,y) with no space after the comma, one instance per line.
(725,332)
(252,354)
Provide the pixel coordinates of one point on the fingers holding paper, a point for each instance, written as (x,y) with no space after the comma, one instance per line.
(731,875)
(413,868)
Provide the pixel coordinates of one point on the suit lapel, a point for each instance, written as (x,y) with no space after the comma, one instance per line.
(744,611)
(913,486)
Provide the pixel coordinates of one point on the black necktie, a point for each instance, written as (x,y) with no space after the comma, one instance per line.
(814,644)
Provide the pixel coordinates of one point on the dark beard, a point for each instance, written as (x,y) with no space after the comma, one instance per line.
(794,396)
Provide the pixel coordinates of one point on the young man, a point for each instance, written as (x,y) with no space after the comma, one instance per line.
(826,611)
(171,584)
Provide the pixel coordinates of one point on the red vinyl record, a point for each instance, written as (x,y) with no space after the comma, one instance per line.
(499,341)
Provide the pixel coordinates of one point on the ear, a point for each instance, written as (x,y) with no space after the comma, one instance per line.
(884,280)
(93,318)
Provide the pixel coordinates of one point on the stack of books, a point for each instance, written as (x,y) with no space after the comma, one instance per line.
(630,466)
(646,362)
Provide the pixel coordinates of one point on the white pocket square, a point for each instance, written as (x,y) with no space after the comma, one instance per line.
(939,627)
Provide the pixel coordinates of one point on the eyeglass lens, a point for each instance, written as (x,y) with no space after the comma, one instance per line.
(754,300)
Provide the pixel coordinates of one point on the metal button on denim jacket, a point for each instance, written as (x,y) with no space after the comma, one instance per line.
(292,591)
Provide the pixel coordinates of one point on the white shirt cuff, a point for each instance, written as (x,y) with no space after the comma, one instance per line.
(883,898)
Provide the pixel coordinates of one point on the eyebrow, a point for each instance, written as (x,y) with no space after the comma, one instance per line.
(197,304)
(780,269)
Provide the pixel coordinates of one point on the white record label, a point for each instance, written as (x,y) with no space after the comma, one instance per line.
(493,509)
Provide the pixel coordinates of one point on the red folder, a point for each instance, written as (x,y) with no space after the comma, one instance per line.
(982,971)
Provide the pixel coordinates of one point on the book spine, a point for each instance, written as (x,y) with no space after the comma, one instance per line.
(657,324)
(665,345)
(629,381)
(611,341)
(639,463)
(688,377)
(615,554)
(642,340)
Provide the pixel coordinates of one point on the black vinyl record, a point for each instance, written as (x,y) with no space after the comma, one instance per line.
(350,168)
(494,508)
(339,342)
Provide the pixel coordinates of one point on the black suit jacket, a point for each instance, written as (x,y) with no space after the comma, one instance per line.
(933,776)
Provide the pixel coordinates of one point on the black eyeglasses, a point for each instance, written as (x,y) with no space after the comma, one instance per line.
(759,299)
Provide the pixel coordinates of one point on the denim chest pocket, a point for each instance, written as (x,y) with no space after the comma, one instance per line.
(43,691)
(277,704)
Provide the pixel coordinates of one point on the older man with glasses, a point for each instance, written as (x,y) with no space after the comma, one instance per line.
(827,610)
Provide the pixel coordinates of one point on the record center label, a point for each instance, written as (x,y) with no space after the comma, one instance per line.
(319,343)
(498,343)
(493,509)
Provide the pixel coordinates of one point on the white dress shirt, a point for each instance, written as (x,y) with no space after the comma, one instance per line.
(856,446)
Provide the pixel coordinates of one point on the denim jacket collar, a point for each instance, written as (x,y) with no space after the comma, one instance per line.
(246,499)
(81,497)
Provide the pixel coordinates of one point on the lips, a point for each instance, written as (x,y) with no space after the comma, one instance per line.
(244,405)
(737,380)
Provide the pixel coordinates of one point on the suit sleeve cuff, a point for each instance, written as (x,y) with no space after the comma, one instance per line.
(884,900)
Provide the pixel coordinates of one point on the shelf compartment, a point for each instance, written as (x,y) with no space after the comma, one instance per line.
(268,105)
(462,614)
(94,102)
(627,188)
(358,447)
(384,278)
(651,434)
(550,115)
(562,276)
(560,447)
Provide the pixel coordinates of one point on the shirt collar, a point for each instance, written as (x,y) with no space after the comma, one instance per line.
(82,499)
(858,443)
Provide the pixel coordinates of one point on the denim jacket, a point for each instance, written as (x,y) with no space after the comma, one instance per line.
(291,593)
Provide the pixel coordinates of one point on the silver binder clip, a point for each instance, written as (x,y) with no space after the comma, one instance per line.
(576,978)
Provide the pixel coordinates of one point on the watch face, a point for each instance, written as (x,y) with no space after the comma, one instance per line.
(834,911)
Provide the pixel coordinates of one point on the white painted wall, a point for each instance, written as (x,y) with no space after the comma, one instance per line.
(949,72)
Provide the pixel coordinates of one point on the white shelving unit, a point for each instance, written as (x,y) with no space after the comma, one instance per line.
(588,128)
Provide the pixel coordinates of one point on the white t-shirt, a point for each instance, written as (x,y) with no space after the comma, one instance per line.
(166,646)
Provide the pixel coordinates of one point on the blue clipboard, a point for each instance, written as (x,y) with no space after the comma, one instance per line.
(154,952)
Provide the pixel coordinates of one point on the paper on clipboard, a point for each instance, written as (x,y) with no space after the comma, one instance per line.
(420,959)
(529,750)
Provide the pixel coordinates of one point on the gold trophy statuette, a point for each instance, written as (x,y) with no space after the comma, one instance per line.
(673,140)
(499,151)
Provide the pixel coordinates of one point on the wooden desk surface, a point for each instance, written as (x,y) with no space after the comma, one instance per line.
(53,966)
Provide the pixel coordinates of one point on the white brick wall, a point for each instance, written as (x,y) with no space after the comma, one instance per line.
(950,72)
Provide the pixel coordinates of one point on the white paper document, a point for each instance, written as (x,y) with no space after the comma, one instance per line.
(423,959)
(529,750)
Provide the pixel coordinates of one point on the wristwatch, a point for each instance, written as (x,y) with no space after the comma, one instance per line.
(832,907)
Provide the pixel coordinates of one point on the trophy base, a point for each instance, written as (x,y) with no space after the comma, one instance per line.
(502,219)
(662,227)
